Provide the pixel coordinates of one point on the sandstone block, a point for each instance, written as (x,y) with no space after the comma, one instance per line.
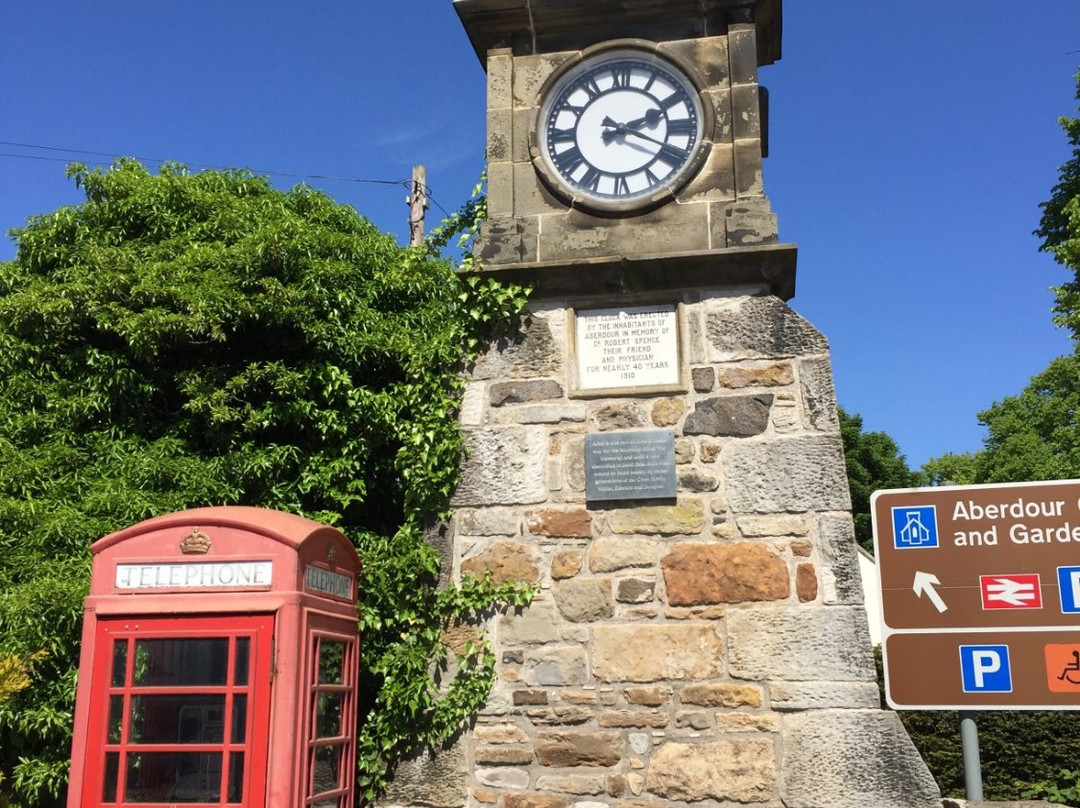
(800,644)
(647,696)
(542,414)
(791,696)
(841,560)
(635,590)
(806,585)
(505,465)
(487,522)
(533,801)
(502,777)
(570,523)
(684,451)
(747,722)
(633,718)
(668,411)
(584,600)
(851,759)
(753,527)
(724,573)
(534,625)
(566,563)
(522,391)
(685,518)
(500,734)
(502,756)
(650,653)
(581,784)
(566,749)
(613,554)
(532,351)
(553,665)
(778,374)
(721,694)
(789,475)
(507,561)
(626,415)
(737,770)
(819,396)
(704,379)
(730,416)
(697,481)
(558,715)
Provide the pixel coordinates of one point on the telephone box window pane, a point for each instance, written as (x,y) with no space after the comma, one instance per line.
(112,770)
(327,769)
(243,653)
(325,804)
(236,777)
(119,667)
(239,725)
(178,718)
(190,662)
(331,662)
(328,715)
(174,777)
(116,718)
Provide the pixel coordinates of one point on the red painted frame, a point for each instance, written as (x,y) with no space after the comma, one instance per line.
(259,629)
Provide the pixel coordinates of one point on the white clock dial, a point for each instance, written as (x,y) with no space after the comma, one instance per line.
(620,127)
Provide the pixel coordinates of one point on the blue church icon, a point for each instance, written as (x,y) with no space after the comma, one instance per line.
(914,527)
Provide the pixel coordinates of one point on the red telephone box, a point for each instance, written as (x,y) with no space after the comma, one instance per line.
(219,664)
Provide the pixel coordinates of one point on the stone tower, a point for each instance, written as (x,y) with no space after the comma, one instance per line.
(658,449)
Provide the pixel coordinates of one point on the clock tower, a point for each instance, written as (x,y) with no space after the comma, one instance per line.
(657,450)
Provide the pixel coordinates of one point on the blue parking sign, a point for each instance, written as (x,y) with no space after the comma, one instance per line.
(985,669)
(914,527)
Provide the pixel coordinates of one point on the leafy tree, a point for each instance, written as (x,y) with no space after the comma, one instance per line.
(181,340)
(1059,228)
(874,462)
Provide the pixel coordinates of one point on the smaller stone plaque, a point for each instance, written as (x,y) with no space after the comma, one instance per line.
(630,465)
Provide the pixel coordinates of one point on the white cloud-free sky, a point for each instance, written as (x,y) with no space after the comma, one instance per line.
(911,143)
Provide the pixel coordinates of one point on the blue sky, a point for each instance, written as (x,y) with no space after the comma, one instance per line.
(911,143)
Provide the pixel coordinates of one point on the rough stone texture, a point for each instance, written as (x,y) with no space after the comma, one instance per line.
(650,653)
(841,580)
(565,749)
(535,624)
(647,696)
(500,734)
(507,560)
(799,644)
(502,756)
(500,778)
(724,573)
(583,784)
(687,518)
(730,416)
(584,600)
(792,475)
(504,465)
(792,696)
(533,801)
(738,770)
(614,554)
(621,416)
(553,665)
(753,527)
(818,394)
(774,375)
(519,392)
(760,328)
(531,352)
(697,481)
(488,522)
(551,522)
(721,694)
(435,780)
(566,563)
(635,590)
(852,759)
(704,379)
(668,411)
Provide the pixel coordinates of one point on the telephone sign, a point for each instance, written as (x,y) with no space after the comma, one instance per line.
(980,595)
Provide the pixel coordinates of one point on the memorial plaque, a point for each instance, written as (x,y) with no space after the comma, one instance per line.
(629,346)
(630,465)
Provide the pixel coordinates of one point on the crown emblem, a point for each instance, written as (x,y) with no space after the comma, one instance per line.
(331,554)
(195,543)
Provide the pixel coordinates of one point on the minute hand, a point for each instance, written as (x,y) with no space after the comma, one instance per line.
(666,146)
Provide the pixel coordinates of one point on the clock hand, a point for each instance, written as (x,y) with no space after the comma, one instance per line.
(665,146)
(652,117)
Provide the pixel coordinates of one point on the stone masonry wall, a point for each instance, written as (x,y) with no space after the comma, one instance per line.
(710,650)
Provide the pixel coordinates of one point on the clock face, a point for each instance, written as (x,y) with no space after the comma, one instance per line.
(620,129)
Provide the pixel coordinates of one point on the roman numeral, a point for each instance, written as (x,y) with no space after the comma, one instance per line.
(566,161)
(682,126)
(591,178)
(620,75)
(589,85)
(622,187)
(670,101)
(556,136)
(672,155)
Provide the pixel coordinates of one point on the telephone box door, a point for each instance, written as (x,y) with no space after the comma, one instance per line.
(183,712)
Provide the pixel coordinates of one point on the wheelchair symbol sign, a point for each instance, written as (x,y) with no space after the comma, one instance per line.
(1063,668)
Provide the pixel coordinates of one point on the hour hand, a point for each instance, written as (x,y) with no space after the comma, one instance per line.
(614,129)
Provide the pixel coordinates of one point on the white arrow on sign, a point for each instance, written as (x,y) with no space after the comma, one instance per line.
(1006,590)
(924,585)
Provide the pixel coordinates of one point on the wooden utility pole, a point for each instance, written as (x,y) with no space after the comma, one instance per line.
(417,200)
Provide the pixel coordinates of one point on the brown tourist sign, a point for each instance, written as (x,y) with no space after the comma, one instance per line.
(980,595)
